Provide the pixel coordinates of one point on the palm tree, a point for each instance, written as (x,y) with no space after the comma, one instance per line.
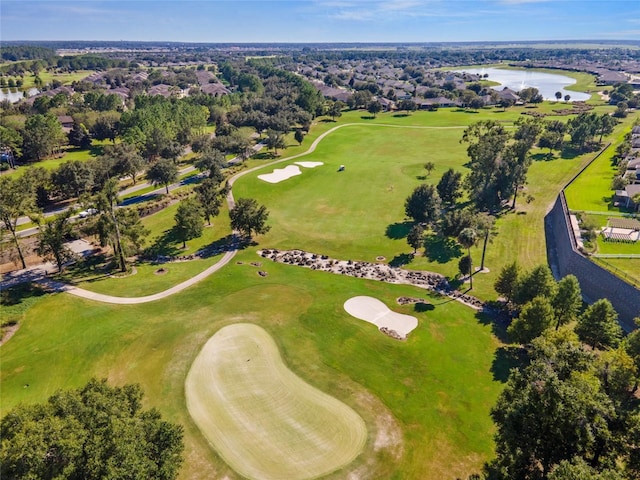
(468,238)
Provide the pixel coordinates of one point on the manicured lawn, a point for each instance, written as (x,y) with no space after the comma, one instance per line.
(303,432)
(359,213)
(433,391)
(69,154)
(626,268)
(48,77)
(429,397)
(591,191)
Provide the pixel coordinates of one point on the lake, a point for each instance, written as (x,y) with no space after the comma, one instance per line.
(547,83)
(14,95)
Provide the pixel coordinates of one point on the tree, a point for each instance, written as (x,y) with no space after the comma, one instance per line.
(449,186)
(535,317)
(17,198)
(275,140)
(335,110)
(106,126)
(567,300)
(551,140)
(567,97)
(52,238)
(621,110)
(558,96)
(454,221)
(163,172)
(93,432)
(423,205)
(11,140)
(429,167)
(209,196)
(598,325)
(374,107)
(211,160)
(465,266)
(415,237)
(126,160)
(538,282)
(553,410)
(189,220)
(249,218)
(606,124)
(468,238)
(298,136)
(407,105)
(485,225)
(73,178)
(79,136)
(108,225)
(578,469)
(43,135)
(507,281)
(487,141)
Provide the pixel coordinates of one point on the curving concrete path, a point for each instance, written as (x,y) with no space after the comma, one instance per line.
(226,258)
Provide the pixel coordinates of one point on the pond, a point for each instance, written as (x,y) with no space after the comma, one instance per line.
(547,83)
(14,95)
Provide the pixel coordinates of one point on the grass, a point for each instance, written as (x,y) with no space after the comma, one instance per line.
(69,154)
(311,210)
(303,432)
(625,268)
(591,191)
(433,391)
(95,275)
(47,77)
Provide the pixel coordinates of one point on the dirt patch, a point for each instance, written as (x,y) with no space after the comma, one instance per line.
(380,258)
(8,332)
(161,271)
(263,273)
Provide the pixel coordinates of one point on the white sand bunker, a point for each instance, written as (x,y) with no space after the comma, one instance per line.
(309,164)
(374,311)
(280,174)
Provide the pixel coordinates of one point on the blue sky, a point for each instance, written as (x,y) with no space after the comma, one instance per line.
(320,20)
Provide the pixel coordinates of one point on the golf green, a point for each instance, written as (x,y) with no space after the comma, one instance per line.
(265,421)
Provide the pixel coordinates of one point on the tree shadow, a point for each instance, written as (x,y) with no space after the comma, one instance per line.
(421,177)
(398,230)
(222,245)
(327,120)
(89,269)
(368,117)
(441,249)
(19,293)
(498,322)
(542,157)
(569,153)
(263,156)
(506,359)
(401,115)
(423,307)
(166,245)
(401,260)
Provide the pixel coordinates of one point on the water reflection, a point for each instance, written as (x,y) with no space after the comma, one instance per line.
(547,83)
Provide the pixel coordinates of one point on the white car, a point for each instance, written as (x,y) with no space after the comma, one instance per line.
(87,212)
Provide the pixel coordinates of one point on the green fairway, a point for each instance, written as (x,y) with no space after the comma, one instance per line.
(425,401)
(359,213)
(265,421)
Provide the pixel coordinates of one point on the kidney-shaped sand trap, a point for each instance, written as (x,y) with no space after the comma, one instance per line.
(374,311)
(280,174)
(266,422)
